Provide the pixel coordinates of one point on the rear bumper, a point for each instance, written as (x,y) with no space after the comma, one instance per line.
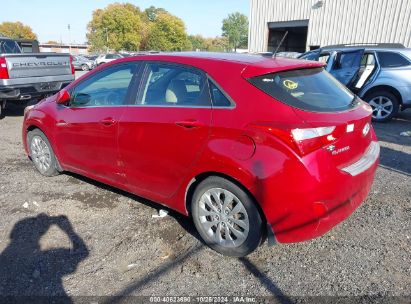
(22,92)
(323,204)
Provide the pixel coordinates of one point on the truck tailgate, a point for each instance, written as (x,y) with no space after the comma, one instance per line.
(37,65)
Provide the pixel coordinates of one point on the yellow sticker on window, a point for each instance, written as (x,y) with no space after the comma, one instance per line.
(289,84)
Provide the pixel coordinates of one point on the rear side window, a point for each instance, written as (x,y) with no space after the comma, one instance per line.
(392,60)
(220,100)
(173,85)
(9,47)
(307,89)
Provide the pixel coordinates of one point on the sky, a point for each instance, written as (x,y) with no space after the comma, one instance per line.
(49,19)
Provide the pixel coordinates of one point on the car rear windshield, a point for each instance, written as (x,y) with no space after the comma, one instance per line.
(307,89)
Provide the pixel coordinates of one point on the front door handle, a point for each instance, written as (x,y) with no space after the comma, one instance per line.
(190,124)
(109,121)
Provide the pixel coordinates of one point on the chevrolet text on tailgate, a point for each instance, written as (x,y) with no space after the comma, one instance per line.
(31,76)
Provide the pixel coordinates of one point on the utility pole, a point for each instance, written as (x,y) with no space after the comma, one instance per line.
(69,29)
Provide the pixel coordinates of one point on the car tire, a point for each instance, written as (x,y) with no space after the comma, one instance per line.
(212,206)
(385,105)
(85,67)
(42,154)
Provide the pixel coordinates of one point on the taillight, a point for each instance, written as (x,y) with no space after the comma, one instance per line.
(4,73)
(304,140)
(311,139)
(71,65)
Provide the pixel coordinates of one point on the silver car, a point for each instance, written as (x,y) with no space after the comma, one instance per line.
(379,74)
(82,63)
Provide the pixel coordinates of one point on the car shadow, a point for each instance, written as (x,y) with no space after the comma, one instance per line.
(185,222)
(27,272)
(177,261)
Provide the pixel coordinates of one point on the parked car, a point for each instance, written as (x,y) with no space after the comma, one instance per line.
(82,63)
(104,58)
(380,74)
(245,145)
(30,76)
(91,57)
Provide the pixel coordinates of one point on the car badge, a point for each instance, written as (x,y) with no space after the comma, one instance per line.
(331,148)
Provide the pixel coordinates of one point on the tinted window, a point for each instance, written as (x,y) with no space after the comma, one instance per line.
(307,89)
(219,98)
(173,85)
(310,56)
(348,60)
(392,60)
(9,47)
(107,88)
(109,56)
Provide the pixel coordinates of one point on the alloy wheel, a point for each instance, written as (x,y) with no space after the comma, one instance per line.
(223,217)
(40,154)
(382,107)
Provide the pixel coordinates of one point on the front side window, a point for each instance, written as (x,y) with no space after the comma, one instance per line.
(107,88)
(392,60)
(307,89)
(173,85)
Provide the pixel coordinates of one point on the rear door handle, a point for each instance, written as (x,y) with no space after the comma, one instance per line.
(190,124)
(109,121)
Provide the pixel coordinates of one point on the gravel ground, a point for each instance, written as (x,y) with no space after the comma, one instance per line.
(70,235)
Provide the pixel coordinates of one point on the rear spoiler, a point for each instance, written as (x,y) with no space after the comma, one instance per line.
(278,65)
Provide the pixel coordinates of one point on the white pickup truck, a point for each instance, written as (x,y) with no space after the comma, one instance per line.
(31,76)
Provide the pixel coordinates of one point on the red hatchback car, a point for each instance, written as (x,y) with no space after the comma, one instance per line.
(247,146)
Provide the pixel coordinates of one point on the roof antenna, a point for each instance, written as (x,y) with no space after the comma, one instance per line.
(279,45)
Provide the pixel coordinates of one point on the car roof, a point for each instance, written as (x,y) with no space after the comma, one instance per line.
(252,65)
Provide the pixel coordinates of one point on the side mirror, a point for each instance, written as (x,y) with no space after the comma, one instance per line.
(63,97)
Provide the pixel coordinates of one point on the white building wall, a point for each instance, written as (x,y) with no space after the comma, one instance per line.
(335,22)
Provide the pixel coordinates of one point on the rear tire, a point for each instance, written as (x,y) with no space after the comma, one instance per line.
(85,67)
(226,217)
(385,105)
(41,153)
(2,108)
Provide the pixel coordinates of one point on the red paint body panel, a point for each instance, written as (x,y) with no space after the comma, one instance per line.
(145,150)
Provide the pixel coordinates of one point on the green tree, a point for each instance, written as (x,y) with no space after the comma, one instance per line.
(168,33)
(119,26)
(152,12)
(235,28)
(217,44)
(17,30)
(198,42)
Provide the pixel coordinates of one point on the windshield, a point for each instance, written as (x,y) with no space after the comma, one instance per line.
(8,46)
(307,89)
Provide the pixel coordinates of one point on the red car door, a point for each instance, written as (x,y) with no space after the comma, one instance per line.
(87,128)
(163,134)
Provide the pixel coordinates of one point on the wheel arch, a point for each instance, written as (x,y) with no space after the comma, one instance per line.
(32,127)
(388,88)
(202,176)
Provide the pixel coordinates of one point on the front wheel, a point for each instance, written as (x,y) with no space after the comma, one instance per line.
(226,217)
(85,67)
(385,105)
(41,153)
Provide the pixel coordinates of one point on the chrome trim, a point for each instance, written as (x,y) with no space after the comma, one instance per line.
(365,162)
